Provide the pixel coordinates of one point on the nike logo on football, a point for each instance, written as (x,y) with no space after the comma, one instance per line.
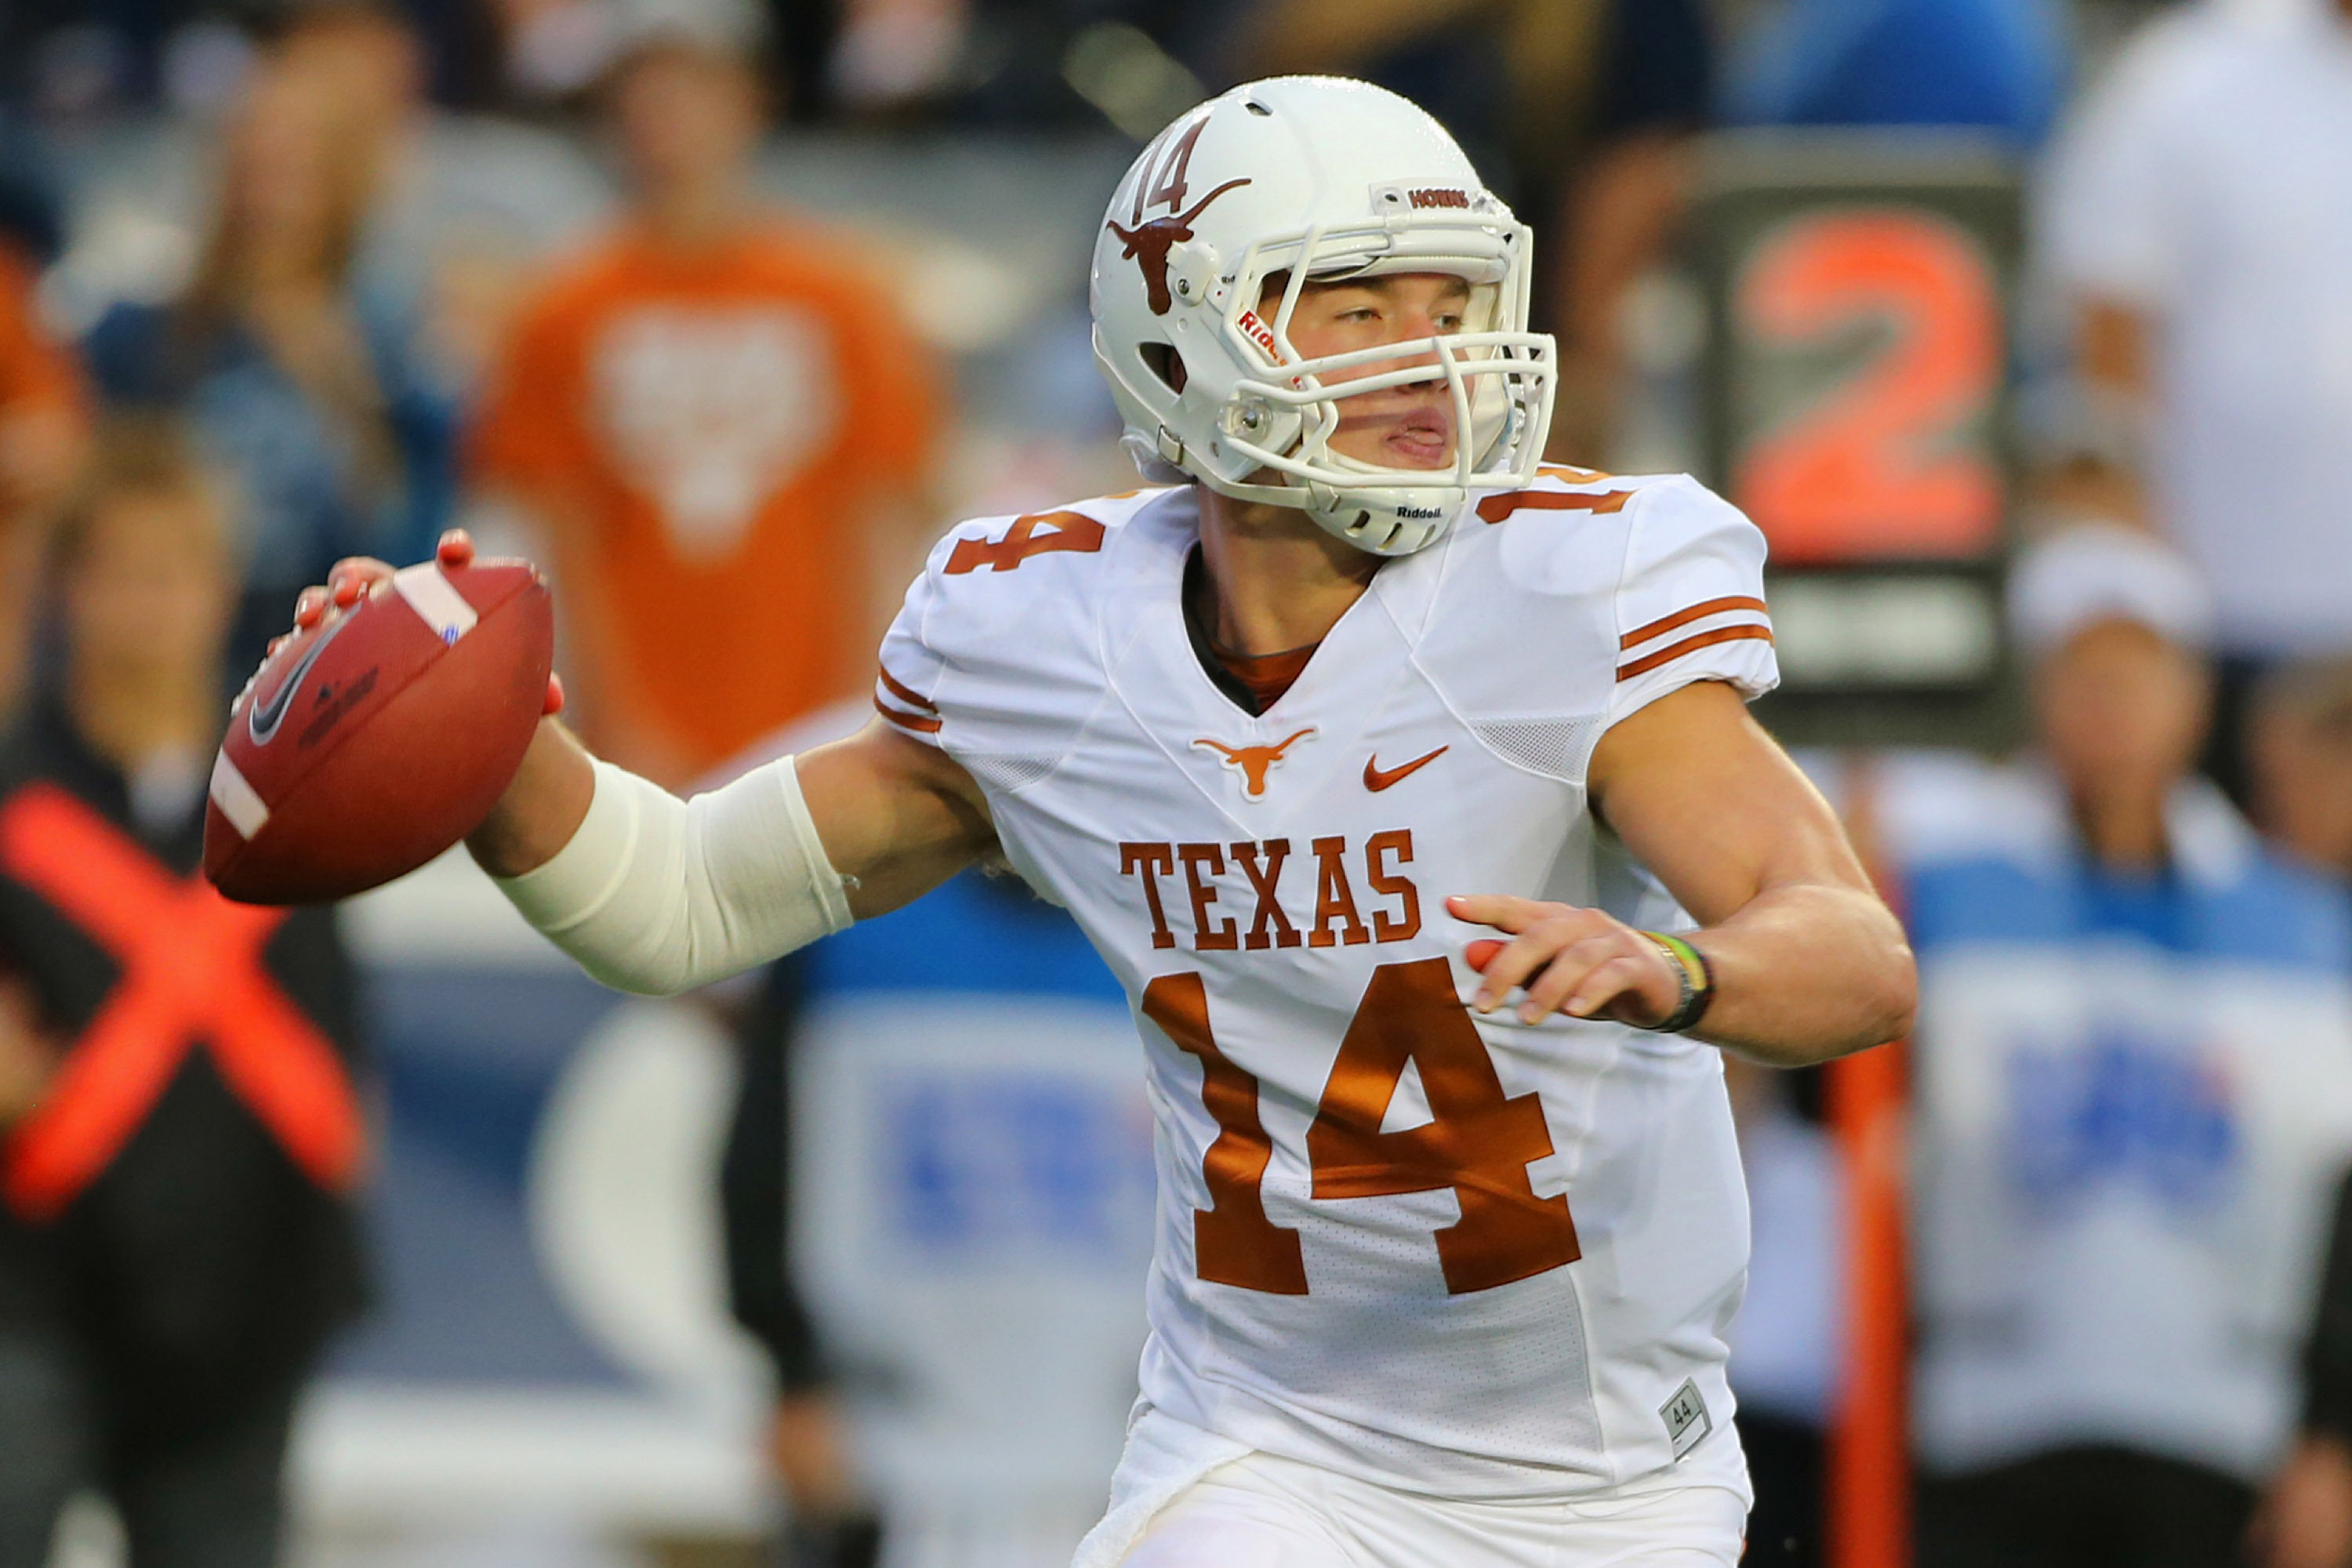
(261,720)
(1375,780)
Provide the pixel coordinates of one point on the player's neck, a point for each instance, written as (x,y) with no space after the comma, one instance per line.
(128,715)
(1277,581)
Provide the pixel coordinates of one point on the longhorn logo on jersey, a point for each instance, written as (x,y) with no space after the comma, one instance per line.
(1252,762)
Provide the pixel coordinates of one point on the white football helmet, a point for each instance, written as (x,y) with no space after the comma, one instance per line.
(1321,178)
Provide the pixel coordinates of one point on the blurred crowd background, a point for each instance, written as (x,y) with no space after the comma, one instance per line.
(378,1235)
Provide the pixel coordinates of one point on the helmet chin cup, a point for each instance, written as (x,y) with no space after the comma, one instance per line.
(1387,521)
(1379,520)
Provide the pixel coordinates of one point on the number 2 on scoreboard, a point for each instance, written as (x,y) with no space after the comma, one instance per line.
(1893,459)
(1478,1142)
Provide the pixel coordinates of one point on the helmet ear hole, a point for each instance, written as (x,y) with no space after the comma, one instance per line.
(1165,363)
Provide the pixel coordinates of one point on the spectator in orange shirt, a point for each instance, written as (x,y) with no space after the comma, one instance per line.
(723,429)
(43,428)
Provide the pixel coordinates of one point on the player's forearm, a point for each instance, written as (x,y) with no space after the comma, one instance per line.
(896,817)
(895,842)
(542,808)
(657,895)
(1806,972)
(652,894)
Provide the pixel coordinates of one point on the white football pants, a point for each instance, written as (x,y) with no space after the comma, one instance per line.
(1260,1512)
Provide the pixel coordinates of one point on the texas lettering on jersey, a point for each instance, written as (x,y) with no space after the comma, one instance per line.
(1395,1237)
(1334,916)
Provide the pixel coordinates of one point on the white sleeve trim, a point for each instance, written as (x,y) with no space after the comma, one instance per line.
(658,895)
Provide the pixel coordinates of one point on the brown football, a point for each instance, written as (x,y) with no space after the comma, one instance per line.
(373,741)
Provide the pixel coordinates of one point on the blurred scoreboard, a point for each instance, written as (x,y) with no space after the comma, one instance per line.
(1859,287)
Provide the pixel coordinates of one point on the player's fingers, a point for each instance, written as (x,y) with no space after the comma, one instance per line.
(1518,959)
(353,577)
(345,583)
(1500,911)
(309,608)
(1624,982)
(1562,976)
(554,701)
(455,548)
(1537,946)
(1570,973)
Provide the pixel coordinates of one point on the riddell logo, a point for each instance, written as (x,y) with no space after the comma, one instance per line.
(1258,332)
(1435,198)
(1252,762)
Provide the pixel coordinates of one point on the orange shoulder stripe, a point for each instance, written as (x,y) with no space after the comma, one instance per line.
(1649,662)
(906,720)
(1496,507)
(1665,624)
(900,690)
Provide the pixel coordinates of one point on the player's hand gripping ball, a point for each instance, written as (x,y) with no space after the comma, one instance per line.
(383,729)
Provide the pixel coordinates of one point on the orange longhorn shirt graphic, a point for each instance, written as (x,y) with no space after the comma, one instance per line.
(707,436)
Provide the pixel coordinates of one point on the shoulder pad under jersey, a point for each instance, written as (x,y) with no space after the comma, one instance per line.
(1586,597)
(996,652)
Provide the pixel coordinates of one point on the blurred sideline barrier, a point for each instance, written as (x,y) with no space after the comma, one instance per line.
(551,1338)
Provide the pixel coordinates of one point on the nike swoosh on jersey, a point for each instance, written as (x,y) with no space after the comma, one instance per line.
(1376,781)
(261,720)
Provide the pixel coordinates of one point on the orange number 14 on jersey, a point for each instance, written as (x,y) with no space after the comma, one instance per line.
(1478,1141)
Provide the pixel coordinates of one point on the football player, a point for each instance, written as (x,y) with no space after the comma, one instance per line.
(1440,1277)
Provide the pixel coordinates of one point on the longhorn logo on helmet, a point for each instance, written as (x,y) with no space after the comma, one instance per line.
(1148,244)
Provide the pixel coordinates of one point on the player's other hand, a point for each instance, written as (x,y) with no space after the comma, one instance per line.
(1581,962)
(354,577)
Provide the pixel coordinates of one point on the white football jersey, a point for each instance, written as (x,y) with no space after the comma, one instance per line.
(1437,1251)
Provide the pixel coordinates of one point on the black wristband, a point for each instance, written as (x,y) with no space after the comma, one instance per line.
(1697,978)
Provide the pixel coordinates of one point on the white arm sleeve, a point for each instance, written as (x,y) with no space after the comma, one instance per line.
(659,895)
